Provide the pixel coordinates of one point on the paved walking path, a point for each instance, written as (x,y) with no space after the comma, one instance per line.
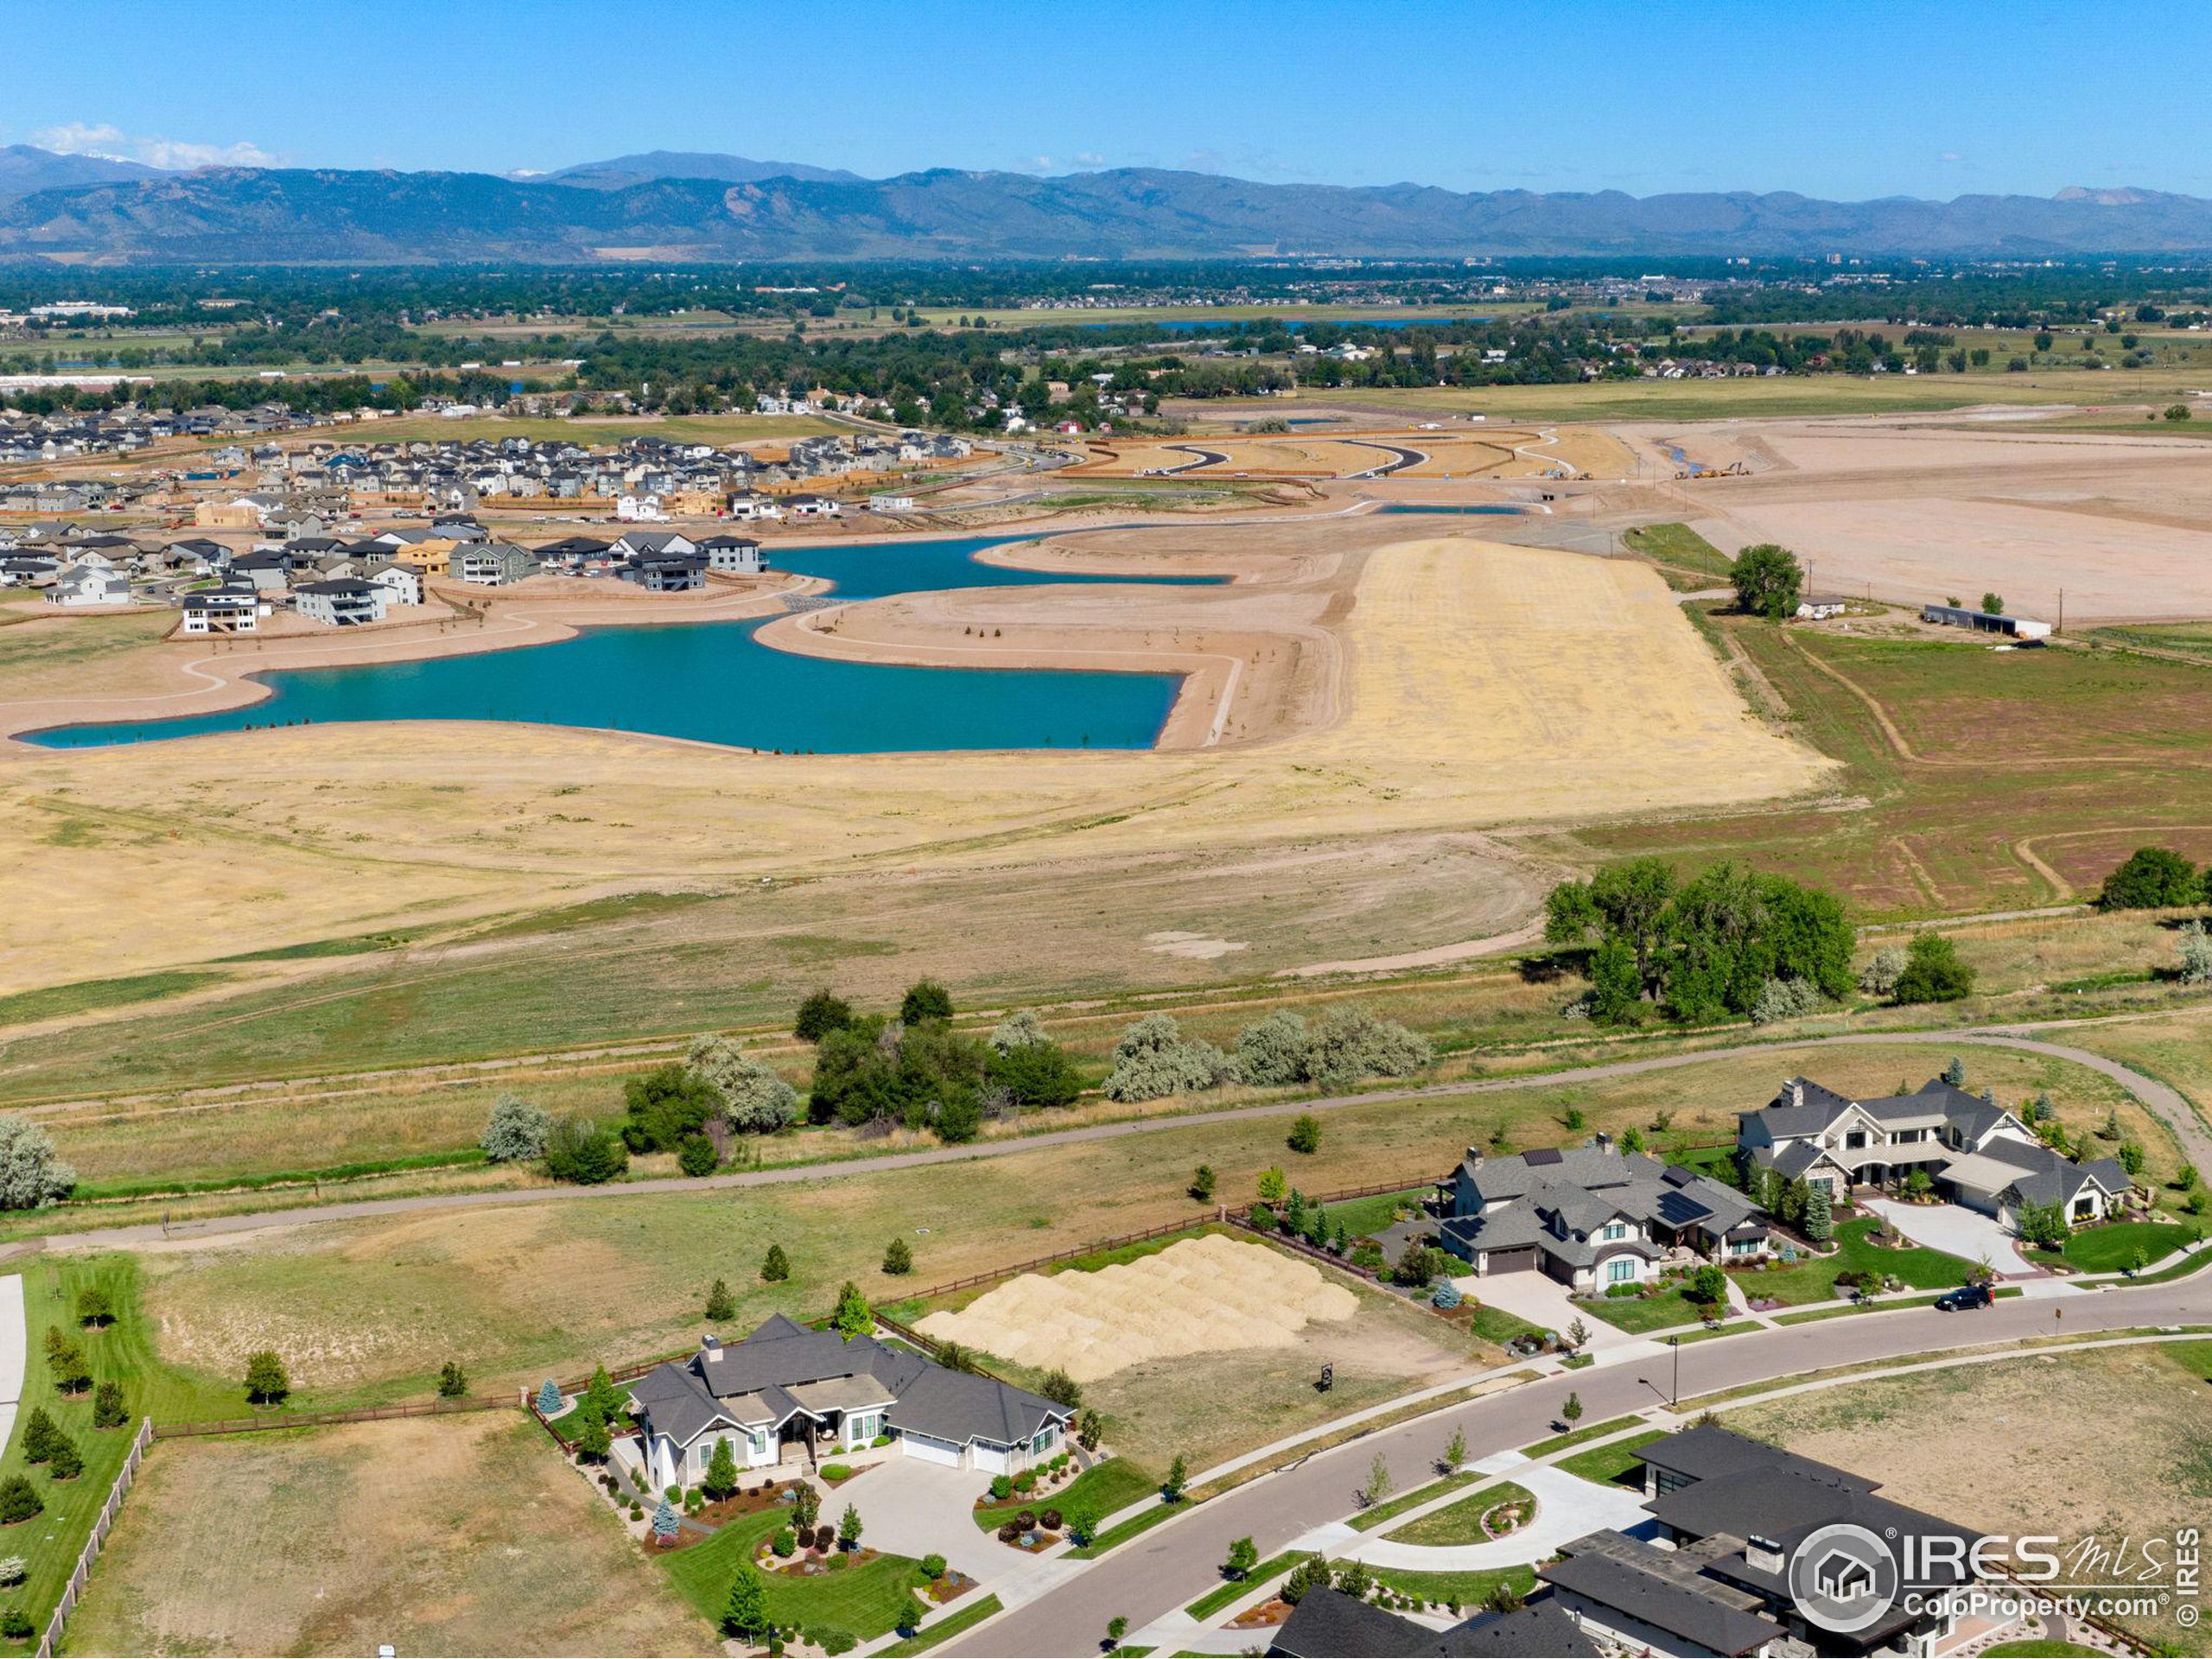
(2164,1102)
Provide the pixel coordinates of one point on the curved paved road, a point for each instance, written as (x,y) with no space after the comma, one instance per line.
(2165,1102)
(1172,1564)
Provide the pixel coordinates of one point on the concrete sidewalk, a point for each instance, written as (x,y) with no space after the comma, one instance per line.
(15,1348)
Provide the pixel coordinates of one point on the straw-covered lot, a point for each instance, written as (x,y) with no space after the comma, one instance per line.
(1208,1294)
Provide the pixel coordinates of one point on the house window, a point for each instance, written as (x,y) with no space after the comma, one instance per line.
(1047,1438)
(1855,1140)
(756,1441)
(1620,1269)
(1615,1230)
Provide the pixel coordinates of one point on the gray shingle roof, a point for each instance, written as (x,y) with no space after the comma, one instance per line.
(1612,1577)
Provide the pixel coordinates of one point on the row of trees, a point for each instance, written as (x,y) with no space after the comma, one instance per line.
(915,1070)
(1153,1059)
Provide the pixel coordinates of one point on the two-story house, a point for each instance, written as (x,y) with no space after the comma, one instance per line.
(1972,1151)
(1591,1216)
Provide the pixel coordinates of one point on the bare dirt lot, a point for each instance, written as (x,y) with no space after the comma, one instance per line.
(440,1536)
(1920,514)
(1209,1294)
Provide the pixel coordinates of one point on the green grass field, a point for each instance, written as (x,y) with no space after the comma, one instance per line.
(1098,1492)
(1389,1510)
(1467,1591)
(971,1614)
(1814,1281)
(1608,1465)
(2109,1249)
(1235,1589)
(867,1598)
(1462,1522)
(1661,1313)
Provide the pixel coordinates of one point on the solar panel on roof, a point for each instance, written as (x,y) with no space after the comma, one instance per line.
(1678,1207)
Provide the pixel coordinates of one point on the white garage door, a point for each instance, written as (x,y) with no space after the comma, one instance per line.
(930,1451)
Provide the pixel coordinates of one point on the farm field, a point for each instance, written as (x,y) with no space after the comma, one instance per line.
(2146,1482)
(1759,397)
(451,1535)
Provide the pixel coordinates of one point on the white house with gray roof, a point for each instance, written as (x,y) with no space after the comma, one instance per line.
(1972,1150)
(791,1394)
(1591,1217)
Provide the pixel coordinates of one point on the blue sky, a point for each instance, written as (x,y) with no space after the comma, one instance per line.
(1831,99)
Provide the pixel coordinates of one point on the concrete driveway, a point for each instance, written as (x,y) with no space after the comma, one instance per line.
(1958,1231)
(13,1347)
(1543,1301)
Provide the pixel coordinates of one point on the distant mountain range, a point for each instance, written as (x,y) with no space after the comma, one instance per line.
(673,207)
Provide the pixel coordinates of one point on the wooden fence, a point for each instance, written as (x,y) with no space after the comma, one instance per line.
(76,1588)
(316,1419)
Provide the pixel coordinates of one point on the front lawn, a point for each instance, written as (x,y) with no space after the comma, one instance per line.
(1577,1436)
(1098,1492)
(2109,1249)
(1813,1279)
(1465,1591)
(1495,1325)
(1235,1589)
(1368,1520)
(867,1598)
(1462,1522)
(1606,1464)
(1639,1313)
(944,1631)
(1363,1218)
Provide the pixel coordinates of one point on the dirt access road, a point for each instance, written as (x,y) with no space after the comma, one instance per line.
(2166,1104)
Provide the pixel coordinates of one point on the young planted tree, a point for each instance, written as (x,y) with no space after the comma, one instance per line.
(721,1480)
(1243,1556)
(68,1368)
(666,1523)
(745,1614)
(1455,1453)
(1380,1483)
(775,1266)
(39,1436)
(19,1501)
(721,1306)
(1090,1429)
(452,1381)
(849,1529)
(1573,1409)
(853,1316)
(1202,1183)
(95,1307)
(66,1462)
(898,1257)
(109,1410)
(1178,1481)
(1305,1137)
(548,1399)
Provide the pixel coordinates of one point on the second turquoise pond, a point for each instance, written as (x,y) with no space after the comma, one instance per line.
(714,682)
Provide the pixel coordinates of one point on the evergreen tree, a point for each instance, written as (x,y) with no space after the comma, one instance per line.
(722,1471)
(775,1266)
(108,1408)
(548,1399)
(746,1614)
(721,1306)
(667,1523)
(853,1316)
(38,1435)
(898,1257)
(452,1381)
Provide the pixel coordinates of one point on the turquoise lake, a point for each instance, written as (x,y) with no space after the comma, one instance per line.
(715,682)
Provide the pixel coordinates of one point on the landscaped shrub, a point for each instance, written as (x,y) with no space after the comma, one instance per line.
(14,1569)
(1049,1519)
(1263,1218)
(548,1399)
(1026,1522)
(1446,1294)
(805,1535)
(1024,1480)
(785,1542)
(932,1567)
(834,1642)
(1009,1532)
(452,1381)
(1001,1487)
(16,1625)
(695,1155)
(836,1472)
(18,1501)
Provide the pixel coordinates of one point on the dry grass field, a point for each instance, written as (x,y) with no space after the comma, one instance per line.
(366,1311)
(1486,684)
(1955,1443)
(444,1535)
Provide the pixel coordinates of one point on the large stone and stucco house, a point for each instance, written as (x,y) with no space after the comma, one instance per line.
(790,1394)
(1974,1152)
(1591,1216)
